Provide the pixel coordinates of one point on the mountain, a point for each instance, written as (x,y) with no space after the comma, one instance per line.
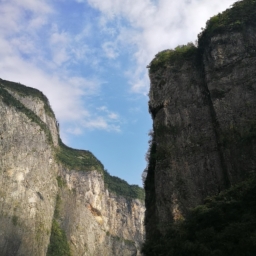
(202,101)
(56,200)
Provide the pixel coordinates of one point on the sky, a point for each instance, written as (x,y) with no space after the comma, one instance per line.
(89,57)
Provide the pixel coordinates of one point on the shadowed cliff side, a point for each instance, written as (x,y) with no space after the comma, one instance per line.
(203,104)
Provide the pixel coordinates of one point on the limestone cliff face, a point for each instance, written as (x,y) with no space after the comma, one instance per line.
(41,190)
(202,101)
(28,183)
(97,221)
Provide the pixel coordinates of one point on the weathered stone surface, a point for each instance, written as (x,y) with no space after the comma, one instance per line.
(28,185)
(96,221)
(203,104)
(99,222)
(188,166)
(230,62)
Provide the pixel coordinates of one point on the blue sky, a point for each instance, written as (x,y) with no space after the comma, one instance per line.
(89,58)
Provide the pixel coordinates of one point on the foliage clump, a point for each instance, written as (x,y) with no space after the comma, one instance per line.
(223,225)
(122,188)
(179,54)
(242,13)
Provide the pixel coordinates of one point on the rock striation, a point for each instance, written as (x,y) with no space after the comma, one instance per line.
(55,200)
(202,102)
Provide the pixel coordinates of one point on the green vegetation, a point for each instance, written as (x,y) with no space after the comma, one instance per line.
(79,160)
(9,100)
(61,182)
(58,242)
(129,242)
(84,160)
(14,220)
(241,14)
(28,91)
(122,188)
(58,245)
(57,207)
(179,54)
(223,225)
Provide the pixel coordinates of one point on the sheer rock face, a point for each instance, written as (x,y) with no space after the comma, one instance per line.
(28,185)
(99,222)
(204,111)
(96,222)
(38,107)
(230,76)
(188,166)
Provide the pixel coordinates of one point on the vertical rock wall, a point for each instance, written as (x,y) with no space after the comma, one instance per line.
(229,61)
(97,221)
(35,186)
(203,105)
(188,166)
(28,185)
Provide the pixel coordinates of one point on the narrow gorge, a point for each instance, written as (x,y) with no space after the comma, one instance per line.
(55,200)
(200,182)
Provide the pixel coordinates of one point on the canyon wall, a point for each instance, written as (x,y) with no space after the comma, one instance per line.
(53,199)
(203,105)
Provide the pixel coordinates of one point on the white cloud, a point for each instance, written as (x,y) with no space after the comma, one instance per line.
(110,50)
(101,123)
(35,53)
(155,26)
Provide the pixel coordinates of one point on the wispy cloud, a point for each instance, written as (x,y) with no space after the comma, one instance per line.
(155,26)
(66,61)
(110,50)
(35,50)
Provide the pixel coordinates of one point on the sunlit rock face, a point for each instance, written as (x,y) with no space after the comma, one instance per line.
(98,221)
(28,184)
(203,104)
(37,188)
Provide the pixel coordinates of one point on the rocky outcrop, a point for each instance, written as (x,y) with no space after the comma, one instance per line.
(54,197)
(202,101)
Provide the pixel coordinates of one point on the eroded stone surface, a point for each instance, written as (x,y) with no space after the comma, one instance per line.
(204,110)
(95,221)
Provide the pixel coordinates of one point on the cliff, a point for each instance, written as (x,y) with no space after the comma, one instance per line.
(202,102)
(56,200)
